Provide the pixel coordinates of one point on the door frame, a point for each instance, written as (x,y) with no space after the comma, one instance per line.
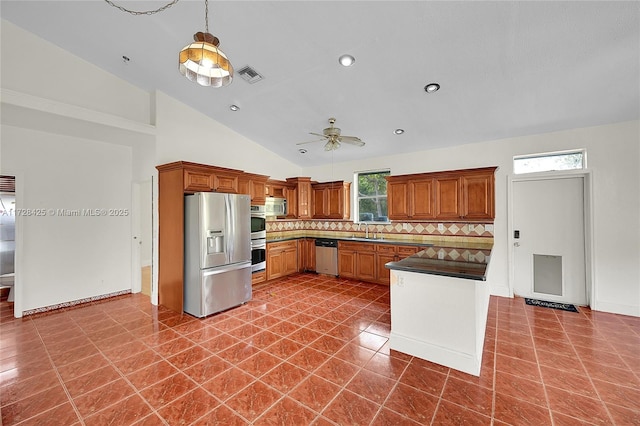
(587,180)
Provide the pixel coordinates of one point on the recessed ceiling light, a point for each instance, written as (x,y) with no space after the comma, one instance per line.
(234,107)
(125,59)
(432,87)
(346,60)
(302,151)
(398,131)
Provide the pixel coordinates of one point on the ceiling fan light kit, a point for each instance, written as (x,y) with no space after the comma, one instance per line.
(203,61)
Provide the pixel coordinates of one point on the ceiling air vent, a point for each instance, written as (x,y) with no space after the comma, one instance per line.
(249,74)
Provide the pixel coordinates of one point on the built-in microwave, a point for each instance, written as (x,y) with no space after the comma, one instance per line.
(258,223)
(275,206)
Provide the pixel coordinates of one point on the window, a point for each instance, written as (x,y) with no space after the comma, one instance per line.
(371,196)
(547,162)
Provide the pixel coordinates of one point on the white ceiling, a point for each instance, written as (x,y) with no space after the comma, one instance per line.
(506,69)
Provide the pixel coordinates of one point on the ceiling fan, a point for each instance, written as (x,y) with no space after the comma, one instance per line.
(334,139)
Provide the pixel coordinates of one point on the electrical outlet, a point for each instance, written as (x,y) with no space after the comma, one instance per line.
(471,227)
(441,254)
(405,226)
(441,227)
(472,258)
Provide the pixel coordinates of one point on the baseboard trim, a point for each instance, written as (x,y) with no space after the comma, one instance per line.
(464,362)
(73,303)
(616,308)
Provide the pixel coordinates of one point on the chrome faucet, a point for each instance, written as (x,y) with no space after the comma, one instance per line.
(366,228)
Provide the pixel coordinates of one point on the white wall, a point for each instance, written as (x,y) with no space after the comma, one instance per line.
(183,133)
(613,155)
(34,66)
(66,258)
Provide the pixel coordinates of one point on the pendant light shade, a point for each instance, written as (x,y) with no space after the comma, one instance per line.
(204,63)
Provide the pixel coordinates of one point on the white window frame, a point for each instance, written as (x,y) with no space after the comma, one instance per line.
(582,151)
(356,198)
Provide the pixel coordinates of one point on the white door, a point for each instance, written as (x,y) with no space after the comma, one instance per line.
(549,239)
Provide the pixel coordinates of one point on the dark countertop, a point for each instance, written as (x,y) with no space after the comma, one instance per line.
(469,263)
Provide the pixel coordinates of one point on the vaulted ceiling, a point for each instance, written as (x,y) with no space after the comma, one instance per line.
(506,69)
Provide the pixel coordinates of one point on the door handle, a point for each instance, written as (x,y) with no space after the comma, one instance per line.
(516,244)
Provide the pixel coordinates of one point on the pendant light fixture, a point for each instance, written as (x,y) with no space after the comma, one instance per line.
(202,61)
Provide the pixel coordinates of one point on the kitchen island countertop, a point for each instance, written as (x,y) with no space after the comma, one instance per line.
(466,262)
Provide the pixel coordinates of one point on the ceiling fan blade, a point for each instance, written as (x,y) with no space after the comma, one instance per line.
(304,143)
(318,134)
(352,140)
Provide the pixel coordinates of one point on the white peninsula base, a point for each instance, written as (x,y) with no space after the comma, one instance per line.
(441,319)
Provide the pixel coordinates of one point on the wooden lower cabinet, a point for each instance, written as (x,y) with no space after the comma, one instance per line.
(282,259)
(306,255)
(357,260)
(365,261)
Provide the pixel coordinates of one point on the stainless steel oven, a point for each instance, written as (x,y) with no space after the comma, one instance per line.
(258,222)
(258,255)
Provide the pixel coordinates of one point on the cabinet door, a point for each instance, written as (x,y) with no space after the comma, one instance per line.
(366,266)
(335,198)
(310,254)
(347,263)
(301,254)
(290,260)
(291,195)
(422,199)
(477,195)
(398,200)
(274,264)
(304,200)
(197,181)
(258,192)
(448,198)
(225,183)
(383,275)
(320,208)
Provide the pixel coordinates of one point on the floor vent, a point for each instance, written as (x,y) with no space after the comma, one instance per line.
(250,75)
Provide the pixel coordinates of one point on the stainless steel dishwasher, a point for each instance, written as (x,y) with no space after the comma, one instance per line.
(327,256)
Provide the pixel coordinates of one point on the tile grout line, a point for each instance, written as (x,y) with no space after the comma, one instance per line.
(587,372)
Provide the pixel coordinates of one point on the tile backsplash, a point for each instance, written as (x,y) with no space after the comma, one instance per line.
(415,231)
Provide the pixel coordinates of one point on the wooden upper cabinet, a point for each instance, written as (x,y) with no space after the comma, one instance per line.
(254,185)
(298,196)
(451,195)
(478,196)
(331,200)
(275,188)
(198,181)
(411,199)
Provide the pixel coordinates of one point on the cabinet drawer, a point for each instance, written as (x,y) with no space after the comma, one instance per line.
(404,251)
(283,245)
(385,248)
(348,245)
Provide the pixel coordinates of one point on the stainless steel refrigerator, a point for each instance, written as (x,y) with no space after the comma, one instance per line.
(217,252)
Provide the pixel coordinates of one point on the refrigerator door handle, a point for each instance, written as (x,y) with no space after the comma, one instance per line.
(207,273)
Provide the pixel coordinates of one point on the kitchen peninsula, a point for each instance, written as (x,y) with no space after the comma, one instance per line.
(439,305)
